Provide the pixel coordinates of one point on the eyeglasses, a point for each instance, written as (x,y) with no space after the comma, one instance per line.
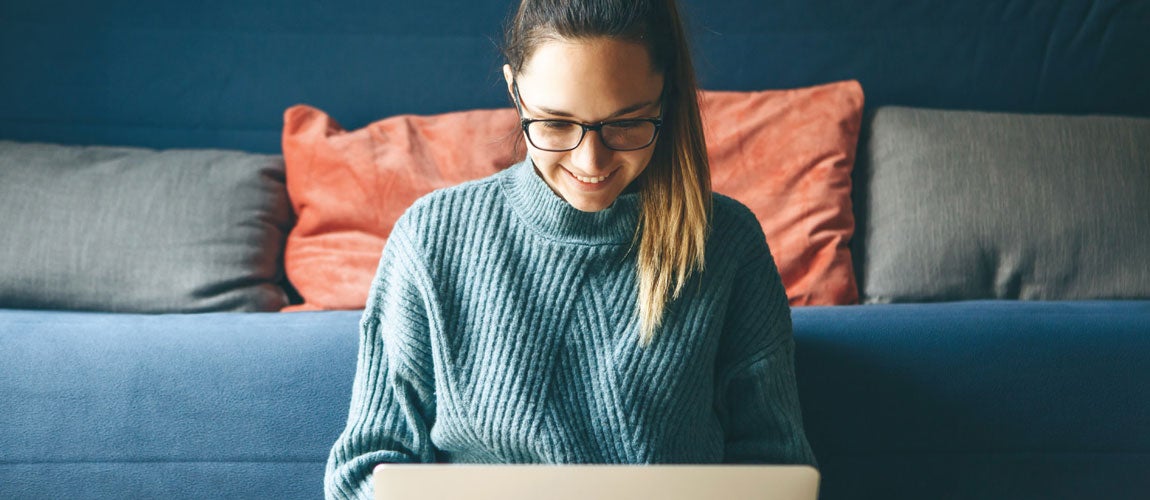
(564,135)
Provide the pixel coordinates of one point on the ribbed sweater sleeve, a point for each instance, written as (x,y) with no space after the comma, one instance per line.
(392,403)
(757,395)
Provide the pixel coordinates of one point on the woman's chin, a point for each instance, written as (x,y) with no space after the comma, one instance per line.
(591,201)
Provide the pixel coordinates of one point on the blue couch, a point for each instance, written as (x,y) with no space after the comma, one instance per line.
(966,399)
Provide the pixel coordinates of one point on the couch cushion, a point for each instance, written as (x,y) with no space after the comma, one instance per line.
(968,205)
(217,405)
(786,154)
(138,230)
(977,400)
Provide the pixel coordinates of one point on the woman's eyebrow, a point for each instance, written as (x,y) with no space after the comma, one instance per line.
(624,111)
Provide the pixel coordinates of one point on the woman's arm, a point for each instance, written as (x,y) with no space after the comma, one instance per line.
(392,403)
(758,399)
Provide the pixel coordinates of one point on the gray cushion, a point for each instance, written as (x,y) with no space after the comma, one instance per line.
(138,230)
(973,205)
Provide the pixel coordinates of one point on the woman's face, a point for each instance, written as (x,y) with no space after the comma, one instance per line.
(589,81)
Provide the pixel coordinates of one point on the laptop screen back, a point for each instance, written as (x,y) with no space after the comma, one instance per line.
(603,482)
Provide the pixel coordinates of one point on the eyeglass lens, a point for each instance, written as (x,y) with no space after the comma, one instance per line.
(563,135)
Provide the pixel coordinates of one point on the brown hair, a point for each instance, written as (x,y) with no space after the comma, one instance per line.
(675,188)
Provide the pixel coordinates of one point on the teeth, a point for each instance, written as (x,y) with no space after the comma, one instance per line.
(591,180)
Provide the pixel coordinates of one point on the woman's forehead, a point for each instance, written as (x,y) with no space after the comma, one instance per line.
(589,78)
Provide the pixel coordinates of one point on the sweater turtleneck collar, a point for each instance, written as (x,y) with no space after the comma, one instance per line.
(542,209)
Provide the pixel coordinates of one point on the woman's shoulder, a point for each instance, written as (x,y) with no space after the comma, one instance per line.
(477,190)
(444,208)
(464,199)
(736,235)
(730,218)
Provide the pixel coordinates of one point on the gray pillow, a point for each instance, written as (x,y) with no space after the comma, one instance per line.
(974,205)
(138,230)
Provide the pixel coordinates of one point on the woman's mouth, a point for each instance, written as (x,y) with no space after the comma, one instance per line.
(590,180)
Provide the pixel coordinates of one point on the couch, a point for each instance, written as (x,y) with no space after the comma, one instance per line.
(993,354)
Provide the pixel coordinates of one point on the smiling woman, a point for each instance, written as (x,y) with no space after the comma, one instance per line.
(560,311)
(616,59)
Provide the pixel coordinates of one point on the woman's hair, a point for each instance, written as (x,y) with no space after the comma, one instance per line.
(675,188)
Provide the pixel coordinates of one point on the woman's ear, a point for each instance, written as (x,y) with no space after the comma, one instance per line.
(509,77)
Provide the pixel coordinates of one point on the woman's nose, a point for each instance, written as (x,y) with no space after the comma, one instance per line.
(591,156)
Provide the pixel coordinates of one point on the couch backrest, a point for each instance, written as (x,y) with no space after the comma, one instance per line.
(220,73)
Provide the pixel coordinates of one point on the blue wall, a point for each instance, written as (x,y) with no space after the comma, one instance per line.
(220,73)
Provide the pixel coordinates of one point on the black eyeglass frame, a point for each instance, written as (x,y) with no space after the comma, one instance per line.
(524,123)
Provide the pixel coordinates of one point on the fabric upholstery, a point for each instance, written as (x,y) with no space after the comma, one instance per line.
(221,74)
(977,400)
(217,405)
(138,230)
(970,205)
(786,154)
(952,400)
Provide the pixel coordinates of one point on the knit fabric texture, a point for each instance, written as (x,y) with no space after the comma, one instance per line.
(502,327)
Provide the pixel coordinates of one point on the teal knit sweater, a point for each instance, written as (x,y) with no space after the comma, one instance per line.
(502,328)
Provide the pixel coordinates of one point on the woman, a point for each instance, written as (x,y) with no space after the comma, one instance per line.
(560,311)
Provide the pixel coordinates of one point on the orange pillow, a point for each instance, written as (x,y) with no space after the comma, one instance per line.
(786,154)
(349,188)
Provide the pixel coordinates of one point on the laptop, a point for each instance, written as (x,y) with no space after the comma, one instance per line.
(595,482)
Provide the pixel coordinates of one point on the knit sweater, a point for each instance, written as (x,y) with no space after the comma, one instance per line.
(502,327)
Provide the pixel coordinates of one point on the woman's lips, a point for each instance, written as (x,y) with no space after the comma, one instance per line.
(590,182)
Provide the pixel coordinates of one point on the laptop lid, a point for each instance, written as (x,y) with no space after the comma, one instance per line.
(602,482)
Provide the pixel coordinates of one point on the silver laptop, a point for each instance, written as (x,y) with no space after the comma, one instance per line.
(596,482)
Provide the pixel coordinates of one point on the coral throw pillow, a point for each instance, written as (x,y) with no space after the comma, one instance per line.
(786,154)
(349,188)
